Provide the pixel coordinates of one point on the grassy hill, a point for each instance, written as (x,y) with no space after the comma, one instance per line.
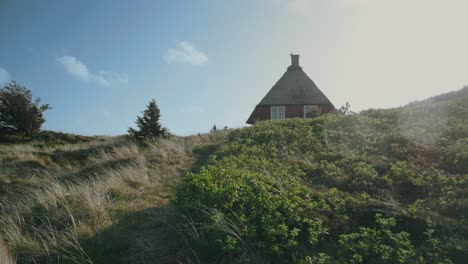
(102,201)
(381,186)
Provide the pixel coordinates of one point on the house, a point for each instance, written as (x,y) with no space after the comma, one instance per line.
(294,95)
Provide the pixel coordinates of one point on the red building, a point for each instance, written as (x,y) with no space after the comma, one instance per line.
(294,95)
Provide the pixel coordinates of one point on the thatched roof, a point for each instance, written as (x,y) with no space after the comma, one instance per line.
(294,87)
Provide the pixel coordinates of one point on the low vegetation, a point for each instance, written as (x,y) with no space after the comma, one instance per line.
(381,186)
(20,114)
(102,201)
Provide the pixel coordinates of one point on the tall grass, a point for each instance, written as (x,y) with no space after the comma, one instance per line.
(68,195)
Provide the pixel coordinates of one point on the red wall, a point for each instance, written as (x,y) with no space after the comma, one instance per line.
(294,111)
(327,108)
(262,112)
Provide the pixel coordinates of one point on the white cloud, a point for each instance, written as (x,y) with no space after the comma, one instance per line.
(107,78)
(81,72)
(4,76)
(185,52)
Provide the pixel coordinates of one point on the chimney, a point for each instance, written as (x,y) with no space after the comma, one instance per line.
(294,59)
(294,63)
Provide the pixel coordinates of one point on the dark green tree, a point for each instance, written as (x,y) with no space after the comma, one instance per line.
(19,113)
(149,125)
(214,129)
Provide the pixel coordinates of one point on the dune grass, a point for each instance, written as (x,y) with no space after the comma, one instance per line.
(103,201)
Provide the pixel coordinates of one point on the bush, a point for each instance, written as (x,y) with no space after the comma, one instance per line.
(377,245)
(19,113)
(309,191)
(242,205)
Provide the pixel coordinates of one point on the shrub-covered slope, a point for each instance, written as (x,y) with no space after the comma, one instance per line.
(381,186)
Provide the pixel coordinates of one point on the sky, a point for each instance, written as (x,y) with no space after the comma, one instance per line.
(206,62)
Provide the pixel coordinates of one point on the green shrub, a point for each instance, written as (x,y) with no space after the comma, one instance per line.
(377,245)
(244,205)
(19,113)
(309,191)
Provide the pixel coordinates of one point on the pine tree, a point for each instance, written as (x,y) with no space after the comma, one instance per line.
(149,126)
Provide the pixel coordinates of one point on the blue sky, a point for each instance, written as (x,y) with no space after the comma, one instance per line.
(98,63)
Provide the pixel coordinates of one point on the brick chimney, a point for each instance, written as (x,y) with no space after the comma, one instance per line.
(294,63)
(294,59)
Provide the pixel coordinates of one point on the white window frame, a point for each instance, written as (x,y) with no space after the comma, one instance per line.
(308,108)
(277,112)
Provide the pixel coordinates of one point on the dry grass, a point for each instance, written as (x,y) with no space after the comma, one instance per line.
(56,202)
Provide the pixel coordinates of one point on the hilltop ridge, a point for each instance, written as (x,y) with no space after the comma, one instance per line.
(380,186)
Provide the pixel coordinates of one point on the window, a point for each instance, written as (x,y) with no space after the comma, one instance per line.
(278,112)
(311,111)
